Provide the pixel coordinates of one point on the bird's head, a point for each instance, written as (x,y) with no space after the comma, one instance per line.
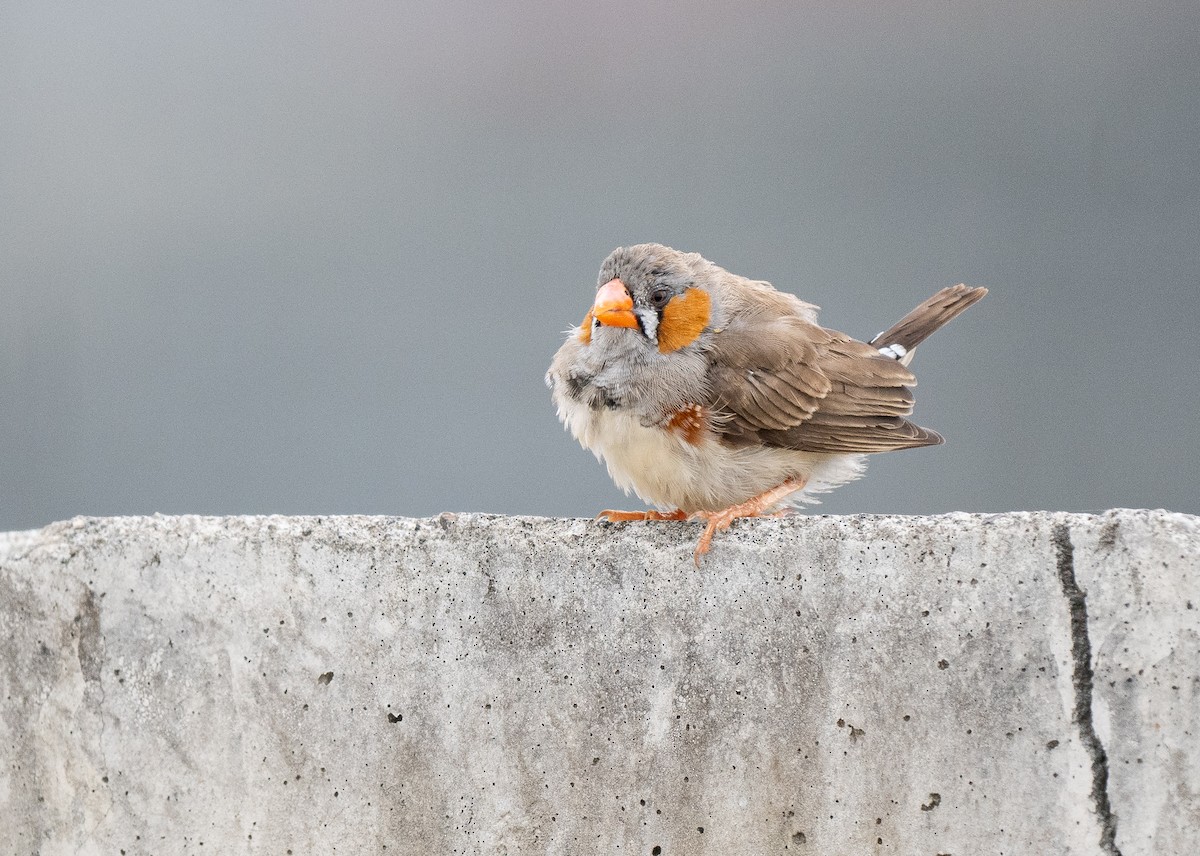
(652,292)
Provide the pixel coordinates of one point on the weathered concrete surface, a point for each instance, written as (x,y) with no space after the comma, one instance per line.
(1015,684)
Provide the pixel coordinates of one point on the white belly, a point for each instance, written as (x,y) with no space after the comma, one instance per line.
(666,471)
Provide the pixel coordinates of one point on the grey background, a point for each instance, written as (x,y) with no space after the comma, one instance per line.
(290,257)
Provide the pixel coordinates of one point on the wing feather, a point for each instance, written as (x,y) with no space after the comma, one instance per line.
(790,383)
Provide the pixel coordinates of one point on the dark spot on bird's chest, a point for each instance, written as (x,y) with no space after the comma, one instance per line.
(577,384)
(604,399)
(583,387)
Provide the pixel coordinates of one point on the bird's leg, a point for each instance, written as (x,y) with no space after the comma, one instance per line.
(627,516)
(753,507)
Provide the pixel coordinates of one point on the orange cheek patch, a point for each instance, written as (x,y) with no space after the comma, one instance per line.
(683,320)
(690,423)
(585,329)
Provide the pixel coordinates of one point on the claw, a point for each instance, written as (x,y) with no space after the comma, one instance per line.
(629,516)
(753,507)
(715,524)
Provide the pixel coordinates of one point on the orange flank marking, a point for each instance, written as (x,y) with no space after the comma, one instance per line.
(690,423)
(585,329)
(628,516)
(684,319)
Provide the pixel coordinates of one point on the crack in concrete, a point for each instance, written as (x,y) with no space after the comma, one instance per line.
(1082,680)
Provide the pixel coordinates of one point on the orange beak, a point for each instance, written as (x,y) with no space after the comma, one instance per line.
(614,306)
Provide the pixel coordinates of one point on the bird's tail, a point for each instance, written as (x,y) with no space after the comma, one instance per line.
(899,340)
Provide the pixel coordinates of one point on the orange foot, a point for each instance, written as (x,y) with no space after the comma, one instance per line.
(753,507)
(627,516)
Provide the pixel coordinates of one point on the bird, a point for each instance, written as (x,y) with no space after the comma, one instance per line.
(715,397)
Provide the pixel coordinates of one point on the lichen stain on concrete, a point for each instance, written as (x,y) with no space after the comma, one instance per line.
(89,643)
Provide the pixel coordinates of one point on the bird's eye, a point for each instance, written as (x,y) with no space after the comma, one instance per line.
(660,296)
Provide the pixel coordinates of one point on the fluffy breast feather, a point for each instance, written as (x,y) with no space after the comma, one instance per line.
(667,471)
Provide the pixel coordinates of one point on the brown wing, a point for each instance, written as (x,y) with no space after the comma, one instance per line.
(787,382)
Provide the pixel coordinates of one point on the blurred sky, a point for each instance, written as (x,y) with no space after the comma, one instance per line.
(315,258)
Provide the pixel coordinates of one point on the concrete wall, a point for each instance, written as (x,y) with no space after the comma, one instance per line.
(1016,684)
